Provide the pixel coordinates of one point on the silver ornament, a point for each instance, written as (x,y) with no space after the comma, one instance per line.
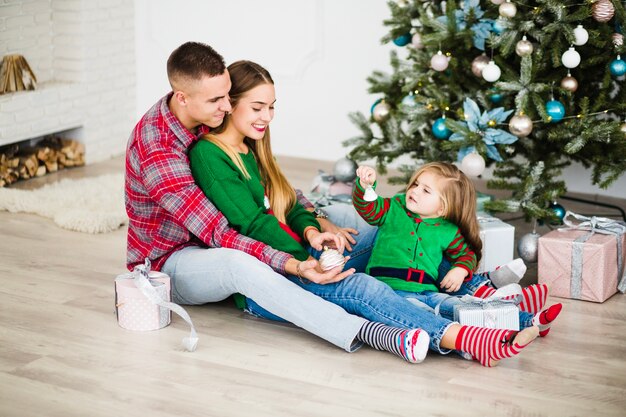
(381,112)
(473,164)
(618,39)
(507,9)
(569,83)
(524,47)
(478,64)
(528,247)
(520,125)
(345,170)
(603,10)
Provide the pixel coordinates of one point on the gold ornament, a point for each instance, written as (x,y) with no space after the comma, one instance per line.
(492,123)
(478,64)
(520,125)
(602,10)
(507,9)
(569,83)
(524,47)
(381,112)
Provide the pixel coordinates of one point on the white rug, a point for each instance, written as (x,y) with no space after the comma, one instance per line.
(89,205)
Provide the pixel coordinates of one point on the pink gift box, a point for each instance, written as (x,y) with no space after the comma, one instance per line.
(134,310)
(599,277)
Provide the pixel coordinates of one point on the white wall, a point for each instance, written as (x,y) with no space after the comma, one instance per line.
(319,52)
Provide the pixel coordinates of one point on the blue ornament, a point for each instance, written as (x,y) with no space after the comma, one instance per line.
(555,110)
(617,67)
(558,210)
(409,101)
(374,105)
(497,26)
(496,97)
(403,40)
(440,130)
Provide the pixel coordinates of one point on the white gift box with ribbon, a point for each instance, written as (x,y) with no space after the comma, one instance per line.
(499,311)
(142,302)
(498,238)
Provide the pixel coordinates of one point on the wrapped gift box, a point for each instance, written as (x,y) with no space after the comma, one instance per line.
(497,237)
(595,279)
(494,315)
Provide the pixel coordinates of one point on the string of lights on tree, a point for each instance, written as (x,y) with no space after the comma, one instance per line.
(527,86)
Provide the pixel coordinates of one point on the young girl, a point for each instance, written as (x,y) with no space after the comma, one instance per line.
(436,216)
(235,168)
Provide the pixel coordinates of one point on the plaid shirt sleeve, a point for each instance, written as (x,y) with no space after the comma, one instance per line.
(169,182)
(303,200)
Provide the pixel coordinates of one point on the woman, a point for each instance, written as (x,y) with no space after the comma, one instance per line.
(237,156)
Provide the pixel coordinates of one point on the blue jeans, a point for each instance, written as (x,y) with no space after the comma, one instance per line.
(444,304)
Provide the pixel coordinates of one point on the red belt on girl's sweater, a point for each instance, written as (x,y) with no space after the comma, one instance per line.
(407,274)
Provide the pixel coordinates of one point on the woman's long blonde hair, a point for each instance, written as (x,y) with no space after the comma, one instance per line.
(246,75)
(459,201)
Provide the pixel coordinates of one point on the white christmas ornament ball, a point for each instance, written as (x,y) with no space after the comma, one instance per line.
(497,1)
(381,112)
(491,72)
(330,259)
(524,47)
(473,164)
(520,125)
(570,58)
(439,62)
(507,9)
(581,36)
(416,41)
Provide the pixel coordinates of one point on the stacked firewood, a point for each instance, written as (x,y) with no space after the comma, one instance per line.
(49,155)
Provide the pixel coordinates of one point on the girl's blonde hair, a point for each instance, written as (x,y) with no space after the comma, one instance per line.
(458,199)
(246,75)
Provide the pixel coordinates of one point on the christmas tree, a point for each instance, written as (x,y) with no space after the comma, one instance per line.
(527,86)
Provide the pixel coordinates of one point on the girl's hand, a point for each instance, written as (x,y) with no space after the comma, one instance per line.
(367,175)
(318,240)
(310,269)
(345,232)
(453,279)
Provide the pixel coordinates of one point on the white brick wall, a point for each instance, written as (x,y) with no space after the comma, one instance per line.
(83,54)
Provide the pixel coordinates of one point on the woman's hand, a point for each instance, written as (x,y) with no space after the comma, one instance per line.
(453,279)
(318,240)
(311,270)
(343,232)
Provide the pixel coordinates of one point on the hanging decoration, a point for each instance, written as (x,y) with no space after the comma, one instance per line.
(439,62)
(485,125)
(481,28)
(416,41)
(478,64)
(569,83)
(618,39)
(491,72)
(498,26)
(581,36)
(402,40)
(570,58)
(381,112)
(507,9)
(555,110)
(617,67)
(520,125)
(528,247)
(440,130)
(558,210)
(473,164)
(524,47)
(603,10)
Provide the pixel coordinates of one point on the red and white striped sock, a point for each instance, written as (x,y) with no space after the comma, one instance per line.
(484,291)
(534,298)
(544,319)
(488,346)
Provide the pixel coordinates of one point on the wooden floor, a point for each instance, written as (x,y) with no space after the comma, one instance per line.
(63,354)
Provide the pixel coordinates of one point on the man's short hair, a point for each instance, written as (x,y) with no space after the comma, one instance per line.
(193,60)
